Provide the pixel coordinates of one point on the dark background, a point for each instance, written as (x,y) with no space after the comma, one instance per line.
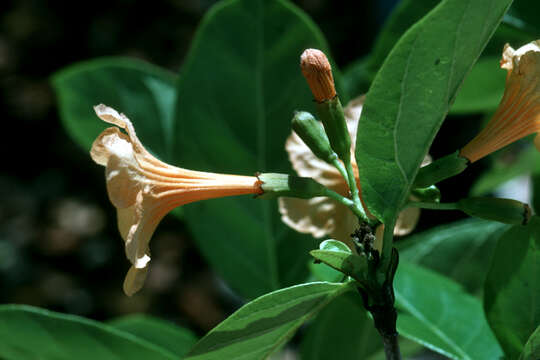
(59,245)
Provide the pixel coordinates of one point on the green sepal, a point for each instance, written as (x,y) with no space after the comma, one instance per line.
(338,256)
(331,114)
(443,168)
(313,135)
(507,211)
(274,184)
(427,194)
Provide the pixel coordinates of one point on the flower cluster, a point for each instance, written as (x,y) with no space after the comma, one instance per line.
(322,216)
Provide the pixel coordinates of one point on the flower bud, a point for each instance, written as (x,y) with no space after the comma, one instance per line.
(440,169)
(318,74)
(502,210)
(312,134)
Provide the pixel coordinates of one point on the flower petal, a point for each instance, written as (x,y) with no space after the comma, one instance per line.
(134,280)
(123,182)
(406,221)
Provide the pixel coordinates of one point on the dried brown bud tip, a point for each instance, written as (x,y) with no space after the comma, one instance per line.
(318,73)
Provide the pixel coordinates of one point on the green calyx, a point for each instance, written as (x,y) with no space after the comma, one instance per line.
(312,134)
(331,114)
(440,169)
(274,184)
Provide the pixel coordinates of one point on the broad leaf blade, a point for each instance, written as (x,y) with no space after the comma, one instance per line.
(30,333)
(512,287)
(145,93)
(414,90)
(166,335)
(441,316)
(460,250)
(260,327)
(341,331)
(238,89)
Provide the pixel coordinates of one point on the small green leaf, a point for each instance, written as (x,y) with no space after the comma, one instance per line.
(414,90)
(166,335)
(334,245)
(338,256)
(512,287)
(30,333)
(460,250)
(482,89)
(263,325)
(441,316)
(238,89)
(531,350)
(145,93)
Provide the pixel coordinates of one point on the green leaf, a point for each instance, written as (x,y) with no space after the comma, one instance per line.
(441,316)
(507,166)
(512,287)
(414,90)
(338,256)
(532,347)
(483,88)
(237,92)
(460,250)
(341,331)
(30,333)
(359,75)
(166,335)
(145,93)
(260,327)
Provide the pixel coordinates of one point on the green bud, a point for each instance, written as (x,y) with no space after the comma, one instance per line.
(292,186)
(440,169)
(332,116)
(428,194)
(503,210)
(313,135)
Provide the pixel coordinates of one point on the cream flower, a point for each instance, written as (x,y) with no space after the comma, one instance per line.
(143,189)
(322,216)
(518,114)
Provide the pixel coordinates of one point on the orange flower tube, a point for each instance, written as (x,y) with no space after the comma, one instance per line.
(518,114)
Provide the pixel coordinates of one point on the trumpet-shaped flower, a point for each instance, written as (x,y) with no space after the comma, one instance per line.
(144,189)
(322,216)
(518,114)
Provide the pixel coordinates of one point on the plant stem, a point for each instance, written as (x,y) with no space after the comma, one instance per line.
(391,347)
(351,180)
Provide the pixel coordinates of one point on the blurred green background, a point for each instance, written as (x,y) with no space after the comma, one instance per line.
(59,246)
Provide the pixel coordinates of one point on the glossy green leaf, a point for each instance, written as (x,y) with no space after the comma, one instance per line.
(342,331)
(237,92)
(29,333)
(532,347)
(506,166)
(166,335)
(512,287)
(483,88)
(414,90)
(145,93)
(263,325)
(460,250)
(438,314)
